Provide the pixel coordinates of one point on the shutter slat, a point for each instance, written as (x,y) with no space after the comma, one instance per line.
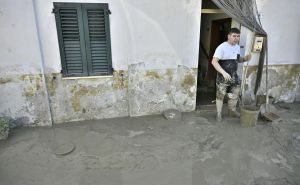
(72,49)
(101,47)
(100,51)
(94,29)
(96,18)
(73,69)
(71,46)
(99,55)
(100,65)
(74,59)
(71,29)
(73,53)
(74,66)
(100,58)
(98,45)
(96,59)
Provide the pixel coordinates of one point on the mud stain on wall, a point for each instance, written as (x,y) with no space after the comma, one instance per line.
(153,74)
(5,80)
(282,82)
(120,80)
(169,74)
(188,83)
(52,83)
(74,99)
(32,84)
(29,101)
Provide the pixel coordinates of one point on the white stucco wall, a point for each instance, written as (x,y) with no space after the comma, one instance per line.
(24,100)
(161,33)
(19,48)
(280,19)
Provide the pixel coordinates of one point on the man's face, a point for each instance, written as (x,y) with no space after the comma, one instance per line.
(233,38)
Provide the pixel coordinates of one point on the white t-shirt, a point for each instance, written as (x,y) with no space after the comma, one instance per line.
(227,51)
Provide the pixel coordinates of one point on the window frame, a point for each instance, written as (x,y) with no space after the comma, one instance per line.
(85,46)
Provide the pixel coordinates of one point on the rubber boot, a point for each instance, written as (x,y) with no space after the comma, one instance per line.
(232,108)
(219,105)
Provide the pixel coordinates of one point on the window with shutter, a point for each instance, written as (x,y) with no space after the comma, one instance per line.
(84,38)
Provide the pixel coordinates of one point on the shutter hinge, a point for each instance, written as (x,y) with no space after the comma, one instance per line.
(54,10)
(108,12)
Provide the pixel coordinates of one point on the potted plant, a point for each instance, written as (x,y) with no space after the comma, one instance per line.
(4,128)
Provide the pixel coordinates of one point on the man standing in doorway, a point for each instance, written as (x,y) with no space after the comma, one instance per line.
(225,61)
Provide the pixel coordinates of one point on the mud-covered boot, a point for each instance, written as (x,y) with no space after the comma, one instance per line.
(219,117)
(232,108)
(219,105)
(233,113)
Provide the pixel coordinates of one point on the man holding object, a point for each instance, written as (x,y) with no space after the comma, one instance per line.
(225,61)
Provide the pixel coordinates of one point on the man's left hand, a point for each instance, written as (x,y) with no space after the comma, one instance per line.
(247,57)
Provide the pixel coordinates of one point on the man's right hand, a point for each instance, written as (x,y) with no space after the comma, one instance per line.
(226,76)
(217,66)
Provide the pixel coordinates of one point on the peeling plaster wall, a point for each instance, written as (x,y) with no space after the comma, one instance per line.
(23,99)
(283,83)
(23,95)
(135,92)
(153,91)
(89,98)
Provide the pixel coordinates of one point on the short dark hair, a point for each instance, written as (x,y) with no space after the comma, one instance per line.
(234,30)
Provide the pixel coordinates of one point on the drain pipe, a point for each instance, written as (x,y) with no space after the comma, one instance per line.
(267,91)
(42,61)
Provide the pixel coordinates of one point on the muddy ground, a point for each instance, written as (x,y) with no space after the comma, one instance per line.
(151,150)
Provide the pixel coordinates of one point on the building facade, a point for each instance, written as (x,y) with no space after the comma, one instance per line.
(154,48)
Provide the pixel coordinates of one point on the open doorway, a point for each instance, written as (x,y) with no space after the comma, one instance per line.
(214,28)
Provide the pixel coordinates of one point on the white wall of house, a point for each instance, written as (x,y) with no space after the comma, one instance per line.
(280,19)
(163,33)
(19,48)
(159,35)
(22,87)
(149,40)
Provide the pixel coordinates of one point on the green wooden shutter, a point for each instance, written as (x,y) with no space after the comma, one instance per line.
(97,36)
(71,38)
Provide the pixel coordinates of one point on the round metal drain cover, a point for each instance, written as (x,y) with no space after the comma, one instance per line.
(64,149)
